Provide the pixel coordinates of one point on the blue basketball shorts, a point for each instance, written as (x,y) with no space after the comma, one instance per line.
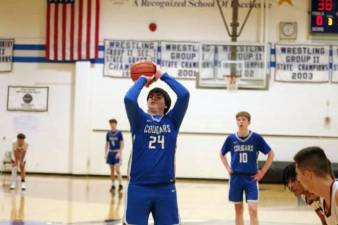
(160,200)
(111,158)
(240,184)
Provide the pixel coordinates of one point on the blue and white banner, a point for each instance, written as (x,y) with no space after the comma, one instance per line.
(180,59)
(121,54)
(248,60)
(6,54)
(335,64)
(302,63)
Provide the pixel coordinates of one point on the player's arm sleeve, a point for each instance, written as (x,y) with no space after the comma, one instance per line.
(107,137)
(266,150)
(264,147)
(226,146)
(181,105)
(130,100)
(121,136)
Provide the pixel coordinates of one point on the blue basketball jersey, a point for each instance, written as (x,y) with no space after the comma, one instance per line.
(244,152)
(154,136)
(114,139)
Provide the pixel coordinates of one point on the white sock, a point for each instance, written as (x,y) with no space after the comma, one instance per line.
(14,173)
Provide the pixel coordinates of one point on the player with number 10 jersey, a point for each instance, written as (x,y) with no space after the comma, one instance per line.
(244,152)
(244,147)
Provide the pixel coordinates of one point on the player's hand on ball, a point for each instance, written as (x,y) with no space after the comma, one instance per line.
(150,80)
(258,176)
(158,73)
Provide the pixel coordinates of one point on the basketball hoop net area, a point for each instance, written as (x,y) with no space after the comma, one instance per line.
(231,82)
(233,66)
(232,71)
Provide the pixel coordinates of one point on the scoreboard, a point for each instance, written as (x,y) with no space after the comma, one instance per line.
(324,16)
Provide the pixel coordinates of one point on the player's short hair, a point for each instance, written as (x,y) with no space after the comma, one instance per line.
(289,174)
(314,159)
(167,100)
(113,121)
(244,114)
(20,136)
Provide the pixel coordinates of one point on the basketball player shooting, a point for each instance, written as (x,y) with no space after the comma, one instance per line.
(151,187)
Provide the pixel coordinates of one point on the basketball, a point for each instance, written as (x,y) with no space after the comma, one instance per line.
(146,68)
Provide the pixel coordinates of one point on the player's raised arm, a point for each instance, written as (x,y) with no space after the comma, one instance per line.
(130,100)
(181,105)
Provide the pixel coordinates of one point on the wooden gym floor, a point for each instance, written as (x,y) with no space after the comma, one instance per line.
(80,200)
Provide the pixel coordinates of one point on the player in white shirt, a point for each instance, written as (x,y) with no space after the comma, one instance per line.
(314,171)
(19,151)
(290,181)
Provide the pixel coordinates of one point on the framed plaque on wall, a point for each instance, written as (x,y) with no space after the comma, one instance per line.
(29,99)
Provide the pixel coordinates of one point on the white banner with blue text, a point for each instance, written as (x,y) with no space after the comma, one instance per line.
(334,64)
(121,54)
(6,54)
(248,60)
(302,63)
(180,59)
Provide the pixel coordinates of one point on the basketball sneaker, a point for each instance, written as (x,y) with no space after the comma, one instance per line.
(120,187)
(112,189)
(23,186)
(13,186)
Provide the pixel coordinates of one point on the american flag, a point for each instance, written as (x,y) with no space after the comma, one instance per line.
(72,29)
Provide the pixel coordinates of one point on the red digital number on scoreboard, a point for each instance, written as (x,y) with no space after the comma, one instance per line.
(319,20)
(325,5)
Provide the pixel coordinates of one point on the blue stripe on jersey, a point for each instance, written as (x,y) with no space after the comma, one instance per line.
(244,153)
(154,142)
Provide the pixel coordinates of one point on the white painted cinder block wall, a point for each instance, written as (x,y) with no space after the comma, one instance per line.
(66,138)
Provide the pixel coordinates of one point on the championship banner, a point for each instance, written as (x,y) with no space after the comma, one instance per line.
(302,63)
(30,99)
(180,59)
(335,64)
(249,61)
(6,54)
(120,54)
